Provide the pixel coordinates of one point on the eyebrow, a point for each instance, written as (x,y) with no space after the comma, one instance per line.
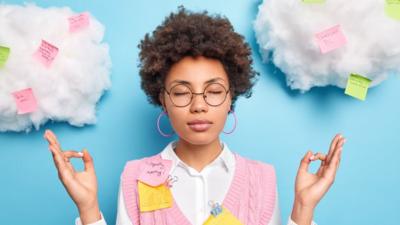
(188,83)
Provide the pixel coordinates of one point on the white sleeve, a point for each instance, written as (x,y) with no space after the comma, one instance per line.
(100,222)
(291,222)
(276,215)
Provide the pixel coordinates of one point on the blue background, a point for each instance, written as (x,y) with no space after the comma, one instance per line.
(276,125)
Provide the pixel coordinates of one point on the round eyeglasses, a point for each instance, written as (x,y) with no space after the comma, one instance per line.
(181,95)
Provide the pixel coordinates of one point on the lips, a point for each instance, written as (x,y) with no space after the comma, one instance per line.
(199,125)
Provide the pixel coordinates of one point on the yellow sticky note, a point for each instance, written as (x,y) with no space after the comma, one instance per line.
(153,198)
(392,9)
(313,1)
(225,217)
(357,86)
(4,53)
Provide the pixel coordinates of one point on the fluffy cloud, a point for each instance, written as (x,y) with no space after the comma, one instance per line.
(286,29)
(69,89)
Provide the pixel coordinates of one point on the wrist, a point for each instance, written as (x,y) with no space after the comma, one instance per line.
(90,214)
(301,214)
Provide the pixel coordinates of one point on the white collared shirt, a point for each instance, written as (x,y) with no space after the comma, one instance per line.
(194,190)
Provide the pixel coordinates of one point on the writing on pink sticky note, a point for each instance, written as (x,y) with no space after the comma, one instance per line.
(46,53)
(330,39)
(25,100)
(155,172)
(79,22)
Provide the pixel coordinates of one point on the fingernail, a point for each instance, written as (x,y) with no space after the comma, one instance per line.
(80,153)
(312,157)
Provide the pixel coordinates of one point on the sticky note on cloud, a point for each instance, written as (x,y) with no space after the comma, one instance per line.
(4,53)
(25,100)
(46,53)
(392,9)
(357,86)
(330,39)
(79,22)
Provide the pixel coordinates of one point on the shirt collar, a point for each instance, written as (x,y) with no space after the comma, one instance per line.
(226,158)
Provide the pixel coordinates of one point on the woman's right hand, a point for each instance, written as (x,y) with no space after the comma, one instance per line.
(81,186)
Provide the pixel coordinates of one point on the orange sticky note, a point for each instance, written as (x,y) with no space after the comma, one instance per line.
(330,39)
(225,217)
(153,198)
(46,53)
(79,22)
(25,100)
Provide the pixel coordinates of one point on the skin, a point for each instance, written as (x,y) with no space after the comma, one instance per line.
(197,149)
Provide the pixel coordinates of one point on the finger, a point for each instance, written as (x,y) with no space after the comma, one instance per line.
(305,161)
(57,158)
(332,147)
(72,154)
(51,138)
(318,156)
(87,161)
(334,164)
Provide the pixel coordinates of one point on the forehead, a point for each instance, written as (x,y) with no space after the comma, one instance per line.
(197,71)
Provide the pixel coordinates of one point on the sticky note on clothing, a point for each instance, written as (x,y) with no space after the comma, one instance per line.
(330,39)
(313,1)
(225,217)
(25,100)
(153,198)
(79,22)
(357,86)
(155,172)
(392,9)
(4,53)
(46,53)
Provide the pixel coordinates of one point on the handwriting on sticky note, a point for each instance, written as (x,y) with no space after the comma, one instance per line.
(313,1)
(25,100)
(330,39)
(79,22)
(357,86)
(155,172)
(4,53)
(225,217)
(153,198)
(46,53)
(392,9)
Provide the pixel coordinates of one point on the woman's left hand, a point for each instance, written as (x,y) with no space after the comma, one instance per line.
(310,188)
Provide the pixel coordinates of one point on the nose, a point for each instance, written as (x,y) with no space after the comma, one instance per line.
(198,104)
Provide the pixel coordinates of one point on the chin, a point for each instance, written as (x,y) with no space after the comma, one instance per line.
(199,138)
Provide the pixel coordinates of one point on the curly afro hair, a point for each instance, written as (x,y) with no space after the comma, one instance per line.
(195,34)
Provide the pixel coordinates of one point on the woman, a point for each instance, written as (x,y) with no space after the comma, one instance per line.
(195,67)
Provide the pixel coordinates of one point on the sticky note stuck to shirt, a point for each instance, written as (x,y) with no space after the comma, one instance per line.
(392,9)
(357,86)
(330,39)
(25,100)
(314,1)
(153,198)
(155,172)
(79,22)
(225,217)
(4,53)
(46,53)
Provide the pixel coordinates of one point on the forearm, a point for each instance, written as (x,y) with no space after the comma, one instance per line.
(302,215)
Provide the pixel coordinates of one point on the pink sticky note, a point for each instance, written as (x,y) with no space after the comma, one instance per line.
(79,22)
(155,172)
(26,102)
(46,53)
(330,39)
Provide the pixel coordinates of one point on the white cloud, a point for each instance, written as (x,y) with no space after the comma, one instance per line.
(286,28)
(71,87)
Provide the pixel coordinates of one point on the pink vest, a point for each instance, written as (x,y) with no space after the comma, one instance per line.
(251,195)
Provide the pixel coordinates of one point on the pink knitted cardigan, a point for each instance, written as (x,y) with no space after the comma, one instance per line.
(251,195)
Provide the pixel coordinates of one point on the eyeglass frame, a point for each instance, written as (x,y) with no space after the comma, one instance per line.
(194,93)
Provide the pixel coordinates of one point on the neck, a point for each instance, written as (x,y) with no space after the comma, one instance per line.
(198,156)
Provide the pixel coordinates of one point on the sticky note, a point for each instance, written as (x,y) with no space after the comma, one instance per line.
(330,39)
(357,86)
(25,100)
(46,53)
(153,198)
(4,53)
(225,217)
(155,172)
(313,1)
(392,9)
(79,22)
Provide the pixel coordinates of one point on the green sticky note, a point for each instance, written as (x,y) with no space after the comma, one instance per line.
(357,86)
(392,9)
(4,53)
(313,1)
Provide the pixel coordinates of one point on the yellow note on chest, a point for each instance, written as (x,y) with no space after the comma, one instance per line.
(224,218)
(153,198)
